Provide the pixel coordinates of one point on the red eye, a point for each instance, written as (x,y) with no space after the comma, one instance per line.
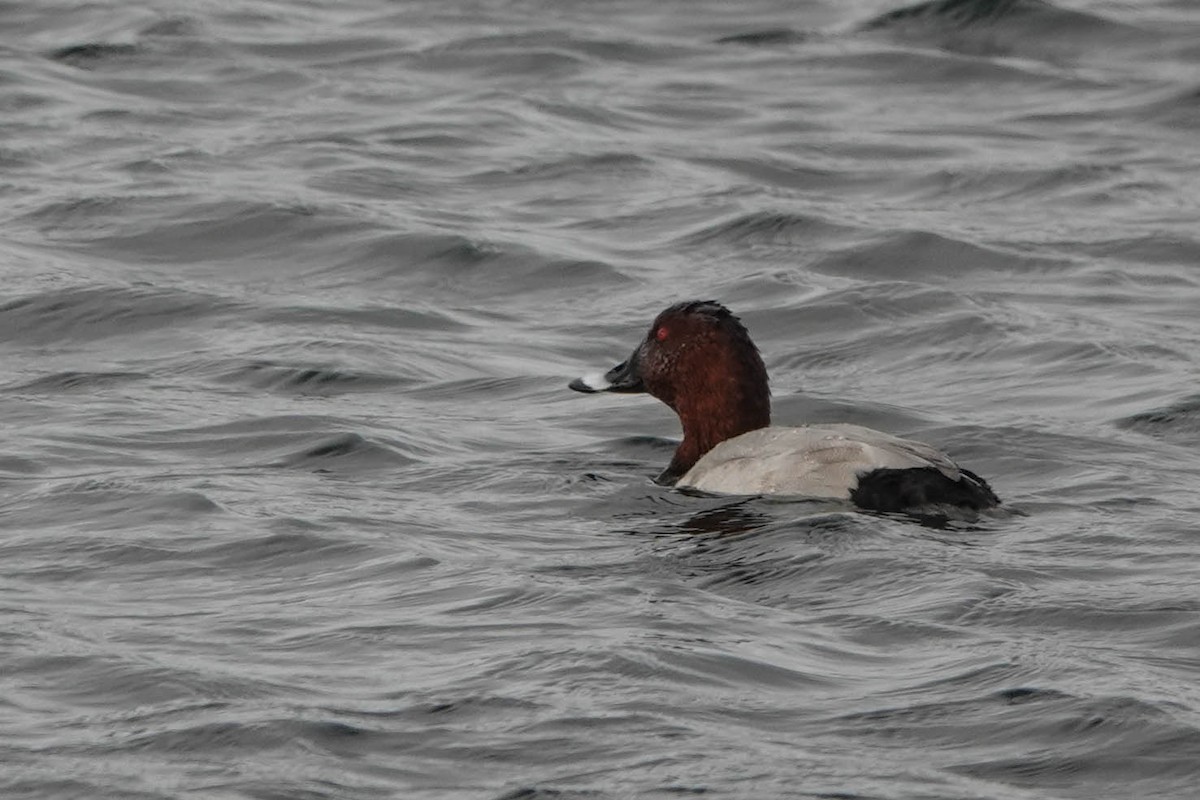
(661,333)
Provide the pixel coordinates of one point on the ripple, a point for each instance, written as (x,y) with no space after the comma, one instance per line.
(73,381)
(88,313)
(108,505)
(345,451)
(915,254)
(184,231)
(767,37)
(1180,419)
(1179,109)
(90,55)
(1006,27)
(589,167)
(769,228)
(307,380)
(961,12)
(294,548)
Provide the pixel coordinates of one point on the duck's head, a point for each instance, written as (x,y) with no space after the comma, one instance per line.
(699,359)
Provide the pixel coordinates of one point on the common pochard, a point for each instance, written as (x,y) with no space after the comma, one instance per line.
(699,360)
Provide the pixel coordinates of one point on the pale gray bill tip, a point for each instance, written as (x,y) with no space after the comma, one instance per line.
(592,382)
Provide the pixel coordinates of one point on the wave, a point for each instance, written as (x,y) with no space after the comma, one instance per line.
(74,381)
(961,12)
(307,380)
(1010,27)
(1177,420)
(84,314)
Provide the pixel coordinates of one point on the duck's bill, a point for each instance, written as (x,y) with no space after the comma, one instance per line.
(623,378)
(593,382)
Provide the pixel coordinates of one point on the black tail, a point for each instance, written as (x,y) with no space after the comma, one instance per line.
(921,487)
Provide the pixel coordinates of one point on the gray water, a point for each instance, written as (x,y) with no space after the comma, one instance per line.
(294,501)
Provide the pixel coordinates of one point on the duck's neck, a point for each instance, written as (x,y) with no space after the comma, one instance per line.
(706,427)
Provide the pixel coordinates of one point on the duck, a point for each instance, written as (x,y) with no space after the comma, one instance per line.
(698,359)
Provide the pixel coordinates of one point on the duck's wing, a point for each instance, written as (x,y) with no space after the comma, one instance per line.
(906,453)
(814,461)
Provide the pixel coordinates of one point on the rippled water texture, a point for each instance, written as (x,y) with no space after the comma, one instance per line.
(294,501)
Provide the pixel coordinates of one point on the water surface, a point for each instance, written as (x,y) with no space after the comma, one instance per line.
(295,502)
